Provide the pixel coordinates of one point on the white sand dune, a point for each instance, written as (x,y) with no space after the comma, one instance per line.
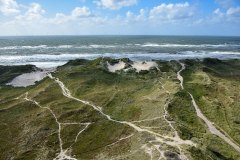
(138,65)
(29,79)
(116,67)
(144,66)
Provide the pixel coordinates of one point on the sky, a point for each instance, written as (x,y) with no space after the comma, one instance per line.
(120,17)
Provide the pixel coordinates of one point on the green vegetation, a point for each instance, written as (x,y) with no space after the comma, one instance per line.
(29,131)
(183,113)
(215,86)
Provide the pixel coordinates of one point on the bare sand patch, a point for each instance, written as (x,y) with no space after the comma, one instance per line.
(137,65)
(116,67)
(29,79)
(144,66)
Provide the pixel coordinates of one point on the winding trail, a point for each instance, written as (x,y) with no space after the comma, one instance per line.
(121,139)
(175,141)
(209,124)
(63,152)
(166,114)
(179,76)
(155,145)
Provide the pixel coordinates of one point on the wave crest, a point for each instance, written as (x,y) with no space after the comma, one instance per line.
(62,58)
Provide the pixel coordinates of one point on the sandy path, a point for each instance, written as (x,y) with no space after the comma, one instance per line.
(179,77)
(209,124)
(63,152)
(175,141)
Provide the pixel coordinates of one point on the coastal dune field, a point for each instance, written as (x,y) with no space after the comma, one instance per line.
(122,109)
(119,80)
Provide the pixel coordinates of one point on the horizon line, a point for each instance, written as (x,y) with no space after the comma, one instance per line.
(52,35)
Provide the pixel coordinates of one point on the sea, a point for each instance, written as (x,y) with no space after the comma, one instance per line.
(51,51)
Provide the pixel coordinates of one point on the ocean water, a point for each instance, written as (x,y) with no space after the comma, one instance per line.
(49,51)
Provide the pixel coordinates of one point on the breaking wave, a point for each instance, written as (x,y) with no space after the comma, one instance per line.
(40,59)
(99,46)
(170,45)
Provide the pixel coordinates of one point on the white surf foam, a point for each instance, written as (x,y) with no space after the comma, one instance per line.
(53,60)
(94,46)
(170,45)
(102,46)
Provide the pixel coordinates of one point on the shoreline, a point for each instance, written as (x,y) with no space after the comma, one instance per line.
(143,57)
